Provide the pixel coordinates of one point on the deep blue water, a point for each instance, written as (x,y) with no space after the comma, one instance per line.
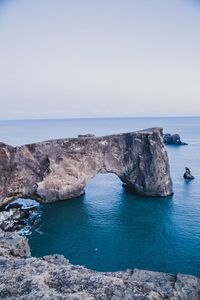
(108,229)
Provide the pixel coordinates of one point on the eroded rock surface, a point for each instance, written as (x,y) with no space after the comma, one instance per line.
(53,277)
(60,169)
(11,244)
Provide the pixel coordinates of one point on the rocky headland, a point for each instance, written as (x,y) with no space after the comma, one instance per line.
(53,277)
(60,169)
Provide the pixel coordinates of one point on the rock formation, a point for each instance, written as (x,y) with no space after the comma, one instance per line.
(60,169)
(187,174)
(19,214)
(53,277)
(173,139)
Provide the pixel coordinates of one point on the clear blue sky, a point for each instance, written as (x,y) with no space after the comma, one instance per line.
(99,58)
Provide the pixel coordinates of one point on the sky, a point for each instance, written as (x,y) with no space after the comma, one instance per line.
(99,58)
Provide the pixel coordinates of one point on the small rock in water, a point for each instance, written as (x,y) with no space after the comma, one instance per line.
(173,139)
(187,174)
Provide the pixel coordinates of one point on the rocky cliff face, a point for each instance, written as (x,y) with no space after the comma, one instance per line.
(60,169)
(53,277)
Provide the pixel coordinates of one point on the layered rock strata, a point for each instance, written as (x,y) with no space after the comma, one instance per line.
(53,277)
(60,169)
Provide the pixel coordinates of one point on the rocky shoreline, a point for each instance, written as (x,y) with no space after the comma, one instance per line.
(53,277)
(20,216)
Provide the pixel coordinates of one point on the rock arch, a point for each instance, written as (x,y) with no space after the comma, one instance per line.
(60,169)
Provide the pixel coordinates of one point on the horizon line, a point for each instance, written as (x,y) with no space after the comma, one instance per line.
(101,117)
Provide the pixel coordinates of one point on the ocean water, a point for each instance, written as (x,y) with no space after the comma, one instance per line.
(109,229)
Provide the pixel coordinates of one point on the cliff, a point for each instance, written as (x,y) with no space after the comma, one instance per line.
(53,277)
(60,169)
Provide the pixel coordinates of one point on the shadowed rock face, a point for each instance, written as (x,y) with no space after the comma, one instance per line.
(60,169)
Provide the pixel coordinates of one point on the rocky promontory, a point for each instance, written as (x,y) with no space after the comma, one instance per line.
(60,169)
(53,277)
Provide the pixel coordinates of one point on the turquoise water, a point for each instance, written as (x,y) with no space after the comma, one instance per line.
(109,229)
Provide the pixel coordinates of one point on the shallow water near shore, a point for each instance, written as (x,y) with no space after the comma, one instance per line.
(108,229)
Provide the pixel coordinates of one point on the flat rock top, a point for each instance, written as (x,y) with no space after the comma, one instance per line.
(94,137)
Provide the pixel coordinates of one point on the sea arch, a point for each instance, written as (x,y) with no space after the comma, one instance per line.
(60,169)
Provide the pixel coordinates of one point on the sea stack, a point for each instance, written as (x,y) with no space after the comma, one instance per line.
(173,139)
(187,174)
(60,169)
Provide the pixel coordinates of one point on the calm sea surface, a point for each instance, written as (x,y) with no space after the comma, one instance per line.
(108,229)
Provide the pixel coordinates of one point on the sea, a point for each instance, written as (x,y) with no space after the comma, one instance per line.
(109,229)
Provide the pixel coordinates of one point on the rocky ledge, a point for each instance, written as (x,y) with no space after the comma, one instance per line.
(60,169)
(53,277)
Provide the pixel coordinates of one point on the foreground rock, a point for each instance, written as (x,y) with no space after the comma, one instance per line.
(19,214)
(187,174)
(60,169)
(173,139)
(13,245)
(53,277)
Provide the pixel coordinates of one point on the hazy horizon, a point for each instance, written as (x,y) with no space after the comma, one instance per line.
(97,59)
(107,117)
